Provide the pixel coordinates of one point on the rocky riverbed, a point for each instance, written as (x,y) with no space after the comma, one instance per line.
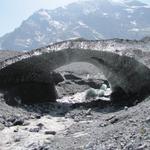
(65,126)
(74,123)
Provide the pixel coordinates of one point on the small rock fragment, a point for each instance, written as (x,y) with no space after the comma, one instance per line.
(142,130)
(147,120)
(88,112)
(26,123)
(142,147)
(37,116)
(110,118)
(40,125)
(18,122)
(34,130)
(16,130)
(125,108)
(103,125)
(17,139)
(1,126)
(114,120)
(50,132)
(89,146)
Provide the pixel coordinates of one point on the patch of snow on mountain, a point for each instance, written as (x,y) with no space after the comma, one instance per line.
(147,6)
(44,13)
(135,30)
(92,19)
(129,16)
(56,24)
(117,15)
(82,24)
(28,41)
(133,22)
(39,36)
(59,40)
(105,14)
(90,9)
(86,12)
(36,53)
(121,2)
(75,33)
(137,7)
(49,29)
(130,10)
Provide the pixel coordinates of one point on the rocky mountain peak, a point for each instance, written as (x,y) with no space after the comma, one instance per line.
(90,19)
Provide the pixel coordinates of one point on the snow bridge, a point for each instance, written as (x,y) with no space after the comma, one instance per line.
(29,77)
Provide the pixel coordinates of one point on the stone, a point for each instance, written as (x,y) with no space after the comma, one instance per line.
(1,126)
(114,120)
(88,112)
(103,124)
(16,130)
(18,122)
(89,146)
(17,139)
(142,147)
(37,116)
(147,120)
(37,129)
(125,108)
(50,132)
(26,123)
(40,125)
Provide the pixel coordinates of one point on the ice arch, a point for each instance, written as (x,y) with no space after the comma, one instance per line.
(29,75)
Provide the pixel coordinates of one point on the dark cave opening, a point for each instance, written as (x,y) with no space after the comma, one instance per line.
(39,92)
(29,93)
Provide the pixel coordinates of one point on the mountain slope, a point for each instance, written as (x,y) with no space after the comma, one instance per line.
(94,19)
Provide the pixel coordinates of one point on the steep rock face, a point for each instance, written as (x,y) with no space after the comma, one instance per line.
(123,68)
(94,19)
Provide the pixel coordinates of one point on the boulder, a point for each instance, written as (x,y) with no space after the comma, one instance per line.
(57,77)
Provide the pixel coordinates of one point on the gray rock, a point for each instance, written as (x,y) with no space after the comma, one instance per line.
(50,132)
(1,126)
(18,122)
(36,129)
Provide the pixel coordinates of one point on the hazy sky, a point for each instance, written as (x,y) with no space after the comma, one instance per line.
(13,12)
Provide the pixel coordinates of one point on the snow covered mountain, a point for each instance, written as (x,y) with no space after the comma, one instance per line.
(92,19)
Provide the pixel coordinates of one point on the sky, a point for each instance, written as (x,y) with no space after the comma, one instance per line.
(13,12)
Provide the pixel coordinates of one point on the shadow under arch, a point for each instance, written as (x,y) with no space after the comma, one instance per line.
(30,76)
